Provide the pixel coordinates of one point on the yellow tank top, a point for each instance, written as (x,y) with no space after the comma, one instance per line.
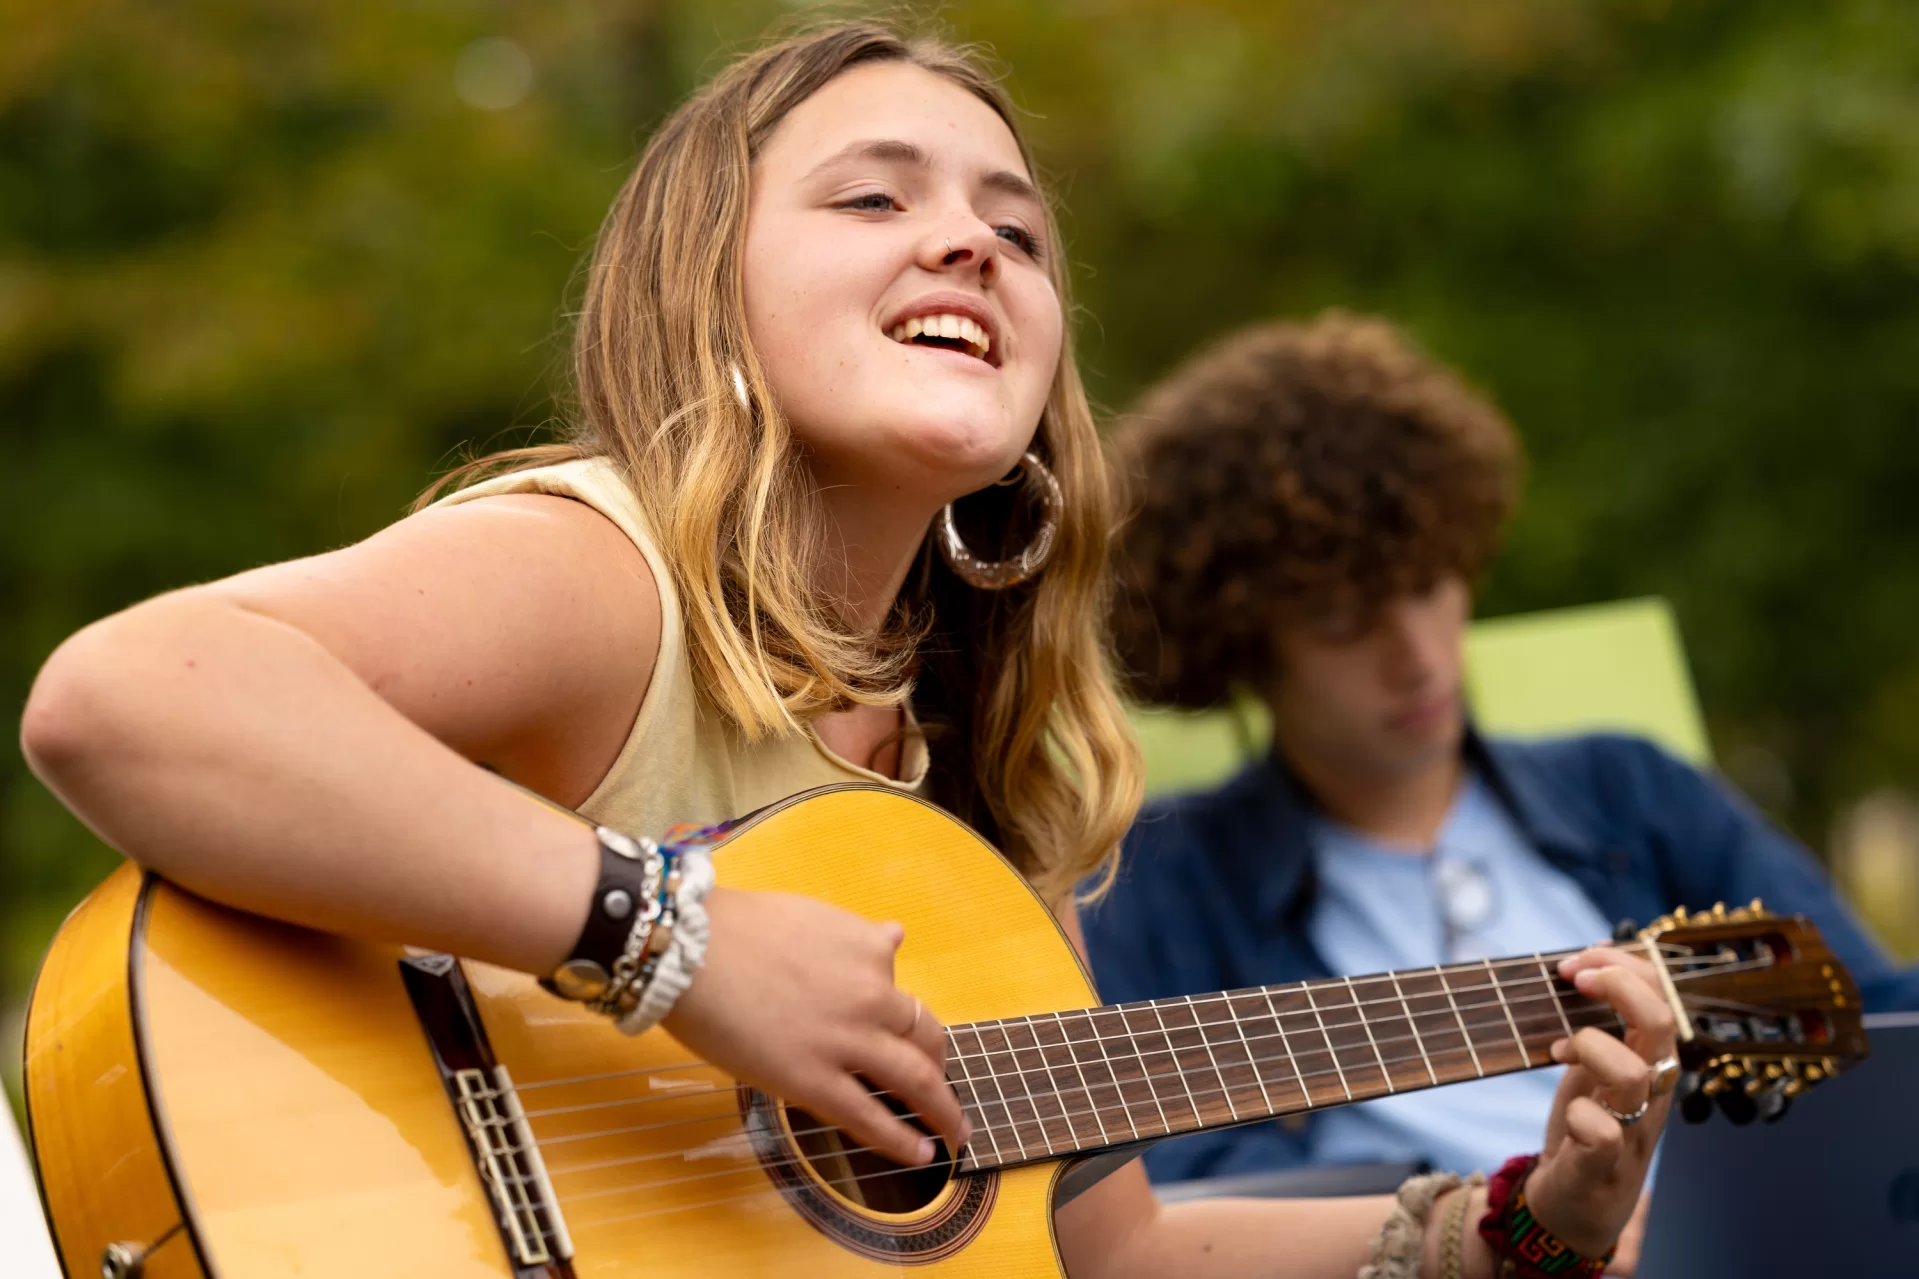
(684,761)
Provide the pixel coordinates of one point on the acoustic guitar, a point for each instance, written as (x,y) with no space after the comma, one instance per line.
(216,1094)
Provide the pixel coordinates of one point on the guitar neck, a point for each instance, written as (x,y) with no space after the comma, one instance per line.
(1077,1082)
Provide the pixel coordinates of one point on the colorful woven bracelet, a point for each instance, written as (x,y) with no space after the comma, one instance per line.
(1530,1250)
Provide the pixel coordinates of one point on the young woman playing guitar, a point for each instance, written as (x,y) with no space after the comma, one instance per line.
(829,303)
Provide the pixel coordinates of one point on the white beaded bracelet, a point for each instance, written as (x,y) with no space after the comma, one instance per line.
(685,953)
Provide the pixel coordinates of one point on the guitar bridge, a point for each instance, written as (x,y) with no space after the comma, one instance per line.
(497,1133)
(511,1166)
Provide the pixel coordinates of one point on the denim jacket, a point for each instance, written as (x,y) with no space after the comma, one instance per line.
(1215,888)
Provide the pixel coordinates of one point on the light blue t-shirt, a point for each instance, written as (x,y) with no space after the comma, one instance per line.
(1378,908)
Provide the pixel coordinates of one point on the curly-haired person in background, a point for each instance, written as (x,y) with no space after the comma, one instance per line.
(1315,504)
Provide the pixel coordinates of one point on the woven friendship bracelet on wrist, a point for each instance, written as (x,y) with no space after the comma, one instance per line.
(1529,1249)
(1399,1243)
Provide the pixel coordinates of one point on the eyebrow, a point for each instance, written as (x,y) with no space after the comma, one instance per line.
(895,151)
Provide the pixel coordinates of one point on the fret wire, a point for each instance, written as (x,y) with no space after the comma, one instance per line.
(1330,1050)
(1286,1046)
(1344,1025)
(1553,990)
(1178,1069)
(1259,1076)
(1112,1072)
(1172,1054)
(1525,1054)
(1138,1060)
(1145,1072)
(1073,1052)
(979,1107)
(1385,1073)
(1322,1074)
(1207,1043)
(1052,1074)
(1039,1120)
(1413,1025)
(1004,1105)
(1464,1033)
(1112,1075)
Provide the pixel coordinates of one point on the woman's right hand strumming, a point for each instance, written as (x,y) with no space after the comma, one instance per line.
(797,998)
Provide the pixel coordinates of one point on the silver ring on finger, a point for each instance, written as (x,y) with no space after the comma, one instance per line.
(1665,1075)
(1629,1118)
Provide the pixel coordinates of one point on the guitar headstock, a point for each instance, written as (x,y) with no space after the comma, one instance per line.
(1770,1010)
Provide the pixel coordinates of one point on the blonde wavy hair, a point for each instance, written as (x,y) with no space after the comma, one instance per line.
(1016,687)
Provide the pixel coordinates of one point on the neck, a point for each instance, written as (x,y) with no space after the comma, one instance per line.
(878,536)
(1074,1082)
(1399,808)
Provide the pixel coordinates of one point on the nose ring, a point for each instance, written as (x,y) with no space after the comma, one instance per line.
(949,246)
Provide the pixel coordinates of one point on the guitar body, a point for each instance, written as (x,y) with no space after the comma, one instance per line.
(230,1096)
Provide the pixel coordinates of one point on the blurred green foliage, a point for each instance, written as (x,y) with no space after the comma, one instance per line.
(264,264)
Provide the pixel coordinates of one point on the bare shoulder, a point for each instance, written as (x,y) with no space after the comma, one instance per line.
(521,630)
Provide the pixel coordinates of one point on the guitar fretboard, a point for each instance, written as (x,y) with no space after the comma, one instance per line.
(1071,1082)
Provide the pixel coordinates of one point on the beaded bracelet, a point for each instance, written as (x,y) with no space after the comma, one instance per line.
(674,946)
(1529,1250)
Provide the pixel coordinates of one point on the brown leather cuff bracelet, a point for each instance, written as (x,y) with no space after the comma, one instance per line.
(630,873)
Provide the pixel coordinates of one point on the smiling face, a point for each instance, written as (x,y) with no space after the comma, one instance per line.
(896,289)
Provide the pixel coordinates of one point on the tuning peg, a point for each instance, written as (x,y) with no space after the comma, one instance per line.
(1774,1102)
(1737,1106)
(1695,1104)
(1625,930)
(1719,910)
(1758,909)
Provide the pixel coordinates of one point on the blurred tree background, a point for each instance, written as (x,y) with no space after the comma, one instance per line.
(264,265)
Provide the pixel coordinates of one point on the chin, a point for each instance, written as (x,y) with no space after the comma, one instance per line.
(969,448)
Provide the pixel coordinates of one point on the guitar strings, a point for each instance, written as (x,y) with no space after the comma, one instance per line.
(1178,1072)
(1498,987)
(1118,1009)
(1067,1115)
(1671,950)
(1086,1087)
(774,1192)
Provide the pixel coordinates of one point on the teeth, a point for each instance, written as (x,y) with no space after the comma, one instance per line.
(945,325)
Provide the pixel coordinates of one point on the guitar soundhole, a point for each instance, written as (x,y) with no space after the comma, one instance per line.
(868,1179)
(867,1204)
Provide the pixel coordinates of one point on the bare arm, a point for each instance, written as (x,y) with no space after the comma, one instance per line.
(299,740)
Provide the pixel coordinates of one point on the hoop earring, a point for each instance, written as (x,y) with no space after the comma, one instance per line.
(997,575)
(739,389)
